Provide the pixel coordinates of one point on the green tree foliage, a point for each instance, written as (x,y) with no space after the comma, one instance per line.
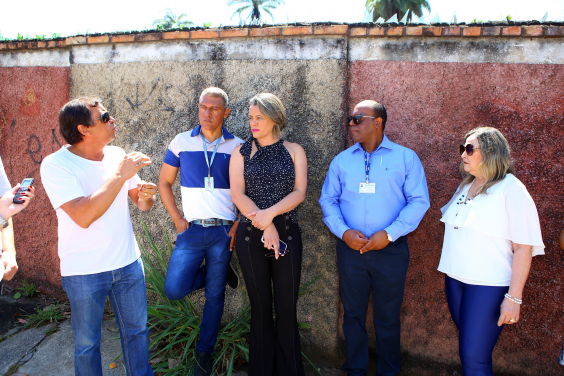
(170,21)
(255,7)
(387,8)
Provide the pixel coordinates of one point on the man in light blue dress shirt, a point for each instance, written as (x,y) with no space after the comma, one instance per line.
(375,193)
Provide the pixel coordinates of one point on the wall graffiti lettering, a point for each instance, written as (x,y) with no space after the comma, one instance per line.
(55,140)
(33,139)
(136,105)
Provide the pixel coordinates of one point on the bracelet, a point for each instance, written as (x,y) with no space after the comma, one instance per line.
(514,299)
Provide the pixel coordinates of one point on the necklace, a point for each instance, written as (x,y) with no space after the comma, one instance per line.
(464,199)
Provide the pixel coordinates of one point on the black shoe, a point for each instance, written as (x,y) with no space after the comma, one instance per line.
(203,365)
(232,277)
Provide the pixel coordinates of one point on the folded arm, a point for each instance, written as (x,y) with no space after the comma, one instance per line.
(329,201)
(237,184)
(417,197)
(86,210)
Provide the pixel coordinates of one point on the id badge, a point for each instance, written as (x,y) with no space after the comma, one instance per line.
(367,188)
(208,183)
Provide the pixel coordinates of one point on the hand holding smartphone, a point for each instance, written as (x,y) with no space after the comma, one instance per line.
(24,187)
(282,249)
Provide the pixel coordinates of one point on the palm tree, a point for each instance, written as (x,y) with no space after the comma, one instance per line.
(170,21)
(387,8)
(256,6)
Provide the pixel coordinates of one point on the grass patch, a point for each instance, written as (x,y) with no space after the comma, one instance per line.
(51,331)
(49,314)
(177,322)
(28,289)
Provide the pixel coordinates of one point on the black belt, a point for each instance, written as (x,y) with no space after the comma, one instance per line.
(209,222)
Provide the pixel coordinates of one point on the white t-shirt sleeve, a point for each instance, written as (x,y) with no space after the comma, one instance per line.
(524,224)
(60,183)
(4,182)
(133,182)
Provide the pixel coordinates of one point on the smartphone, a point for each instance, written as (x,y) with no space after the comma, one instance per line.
(282,249)
(24,187)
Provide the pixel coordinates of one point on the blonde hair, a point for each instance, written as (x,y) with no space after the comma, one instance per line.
(496,158)
(271,106)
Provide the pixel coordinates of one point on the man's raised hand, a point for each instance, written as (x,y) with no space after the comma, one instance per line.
(132,163)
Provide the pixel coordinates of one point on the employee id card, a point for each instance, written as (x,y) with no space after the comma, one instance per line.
(367,188)
(208,183)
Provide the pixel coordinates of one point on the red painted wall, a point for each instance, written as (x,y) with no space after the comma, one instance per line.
(30,100)
(430,108)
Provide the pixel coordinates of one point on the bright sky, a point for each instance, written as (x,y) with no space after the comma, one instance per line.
(38,17)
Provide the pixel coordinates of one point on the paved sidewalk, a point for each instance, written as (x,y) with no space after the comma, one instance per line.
(48,351)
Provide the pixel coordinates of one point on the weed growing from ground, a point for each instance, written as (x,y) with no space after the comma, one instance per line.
(28,289)
(49,314)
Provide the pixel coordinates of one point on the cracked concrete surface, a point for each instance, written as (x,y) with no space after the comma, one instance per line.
(42,352)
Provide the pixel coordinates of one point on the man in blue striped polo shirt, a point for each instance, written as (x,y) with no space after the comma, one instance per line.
(207,229)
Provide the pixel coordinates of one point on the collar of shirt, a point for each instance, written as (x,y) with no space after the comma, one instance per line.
(225,135)
(386,143)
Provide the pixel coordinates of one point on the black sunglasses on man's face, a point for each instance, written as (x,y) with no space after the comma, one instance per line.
(357,119)
(105,117)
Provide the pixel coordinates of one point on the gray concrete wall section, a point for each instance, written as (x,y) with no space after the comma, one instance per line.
(155,100)
(452,50)
(35,58)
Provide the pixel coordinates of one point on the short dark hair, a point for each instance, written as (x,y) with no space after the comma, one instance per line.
(380,112)
(75,113)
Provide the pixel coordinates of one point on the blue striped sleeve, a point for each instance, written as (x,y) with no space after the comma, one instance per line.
(171,159)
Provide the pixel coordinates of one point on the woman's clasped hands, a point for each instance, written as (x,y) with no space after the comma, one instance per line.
(262,220)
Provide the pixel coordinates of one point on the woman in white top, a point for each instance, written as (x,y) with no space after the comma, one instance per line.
(492,231)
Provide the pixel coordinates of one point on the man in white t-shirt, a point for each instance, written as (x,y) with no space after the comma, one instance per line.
(88,183)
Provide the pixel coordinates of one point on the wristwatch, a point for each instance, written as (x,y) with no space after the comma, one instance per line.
(390,238)
(3,222)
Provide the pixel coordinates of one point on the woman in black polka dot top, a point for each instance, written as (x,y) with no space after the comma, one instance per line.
(268,178)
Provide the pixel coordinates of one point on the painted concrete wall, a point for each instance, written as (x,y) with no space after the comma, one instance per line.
(430,108)
(30,100)
(435,89)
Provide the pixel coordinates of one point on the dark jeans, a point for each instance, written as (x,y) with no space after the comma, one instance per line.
(384,271)
(186,274)
(475,311)
(272,350)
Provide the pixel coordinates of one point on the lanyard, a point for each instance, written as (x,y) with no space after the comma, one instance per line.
(213,155)
(366,164)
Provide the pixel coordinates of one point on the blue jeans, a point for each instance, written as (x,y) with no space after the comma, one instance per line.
(475,311)
(128,295)
(384,272)
(186,274)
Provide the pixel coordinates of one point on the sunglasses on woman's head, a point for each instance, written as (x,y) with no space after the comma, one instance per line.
(105,117)
(469,149)
(357,119)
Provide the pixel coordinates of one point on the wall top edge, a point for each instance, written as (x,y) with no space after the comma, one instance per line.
(355,30)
